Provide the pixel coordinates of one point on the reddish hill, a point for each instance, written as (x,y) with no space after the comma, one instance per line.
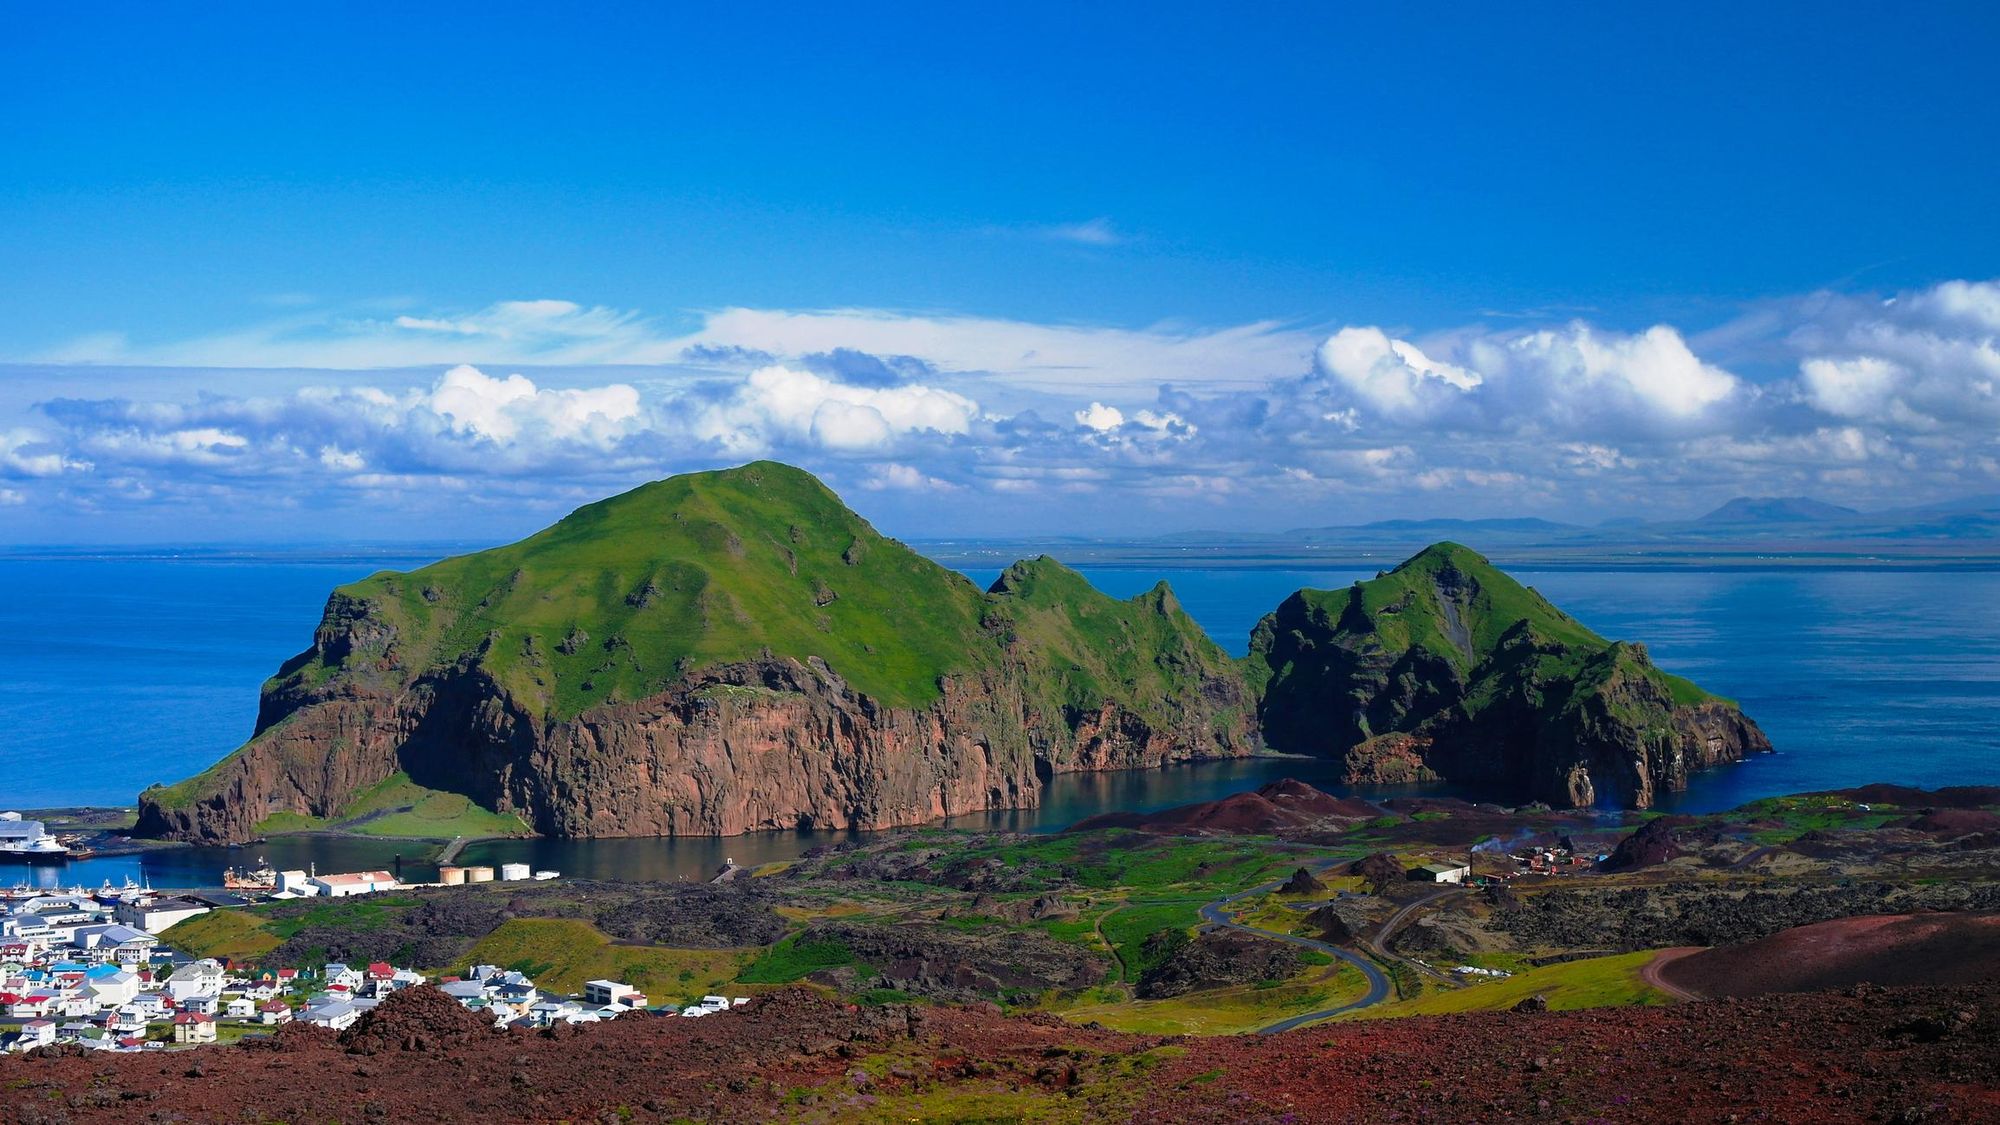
(1884,949)
(1888,1055)
(1910,797)
(1281,806)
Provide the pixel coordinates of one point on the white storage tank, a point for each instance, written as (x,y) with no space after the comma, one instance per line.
(512,871)
(479,874)
(451,876)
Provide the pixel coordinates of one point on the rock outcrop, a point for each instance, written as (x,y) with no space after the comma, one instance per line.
(1447,669)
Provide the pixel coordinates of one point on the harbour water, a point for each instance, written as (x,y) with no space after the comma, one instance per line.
(121,670)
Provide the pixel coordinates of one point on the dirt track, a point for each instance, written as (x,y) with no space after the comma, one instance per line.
(1651,974)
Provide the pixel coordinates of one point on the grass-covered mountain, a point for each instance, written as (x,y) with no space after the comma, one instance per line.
(1445,667)
(711,654)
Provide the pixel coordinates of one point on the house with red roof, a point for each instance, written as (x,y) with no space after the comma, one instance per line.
(194,1027)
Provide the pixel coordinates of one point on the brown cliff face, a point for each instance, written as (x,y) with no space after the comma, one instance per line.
(775,744)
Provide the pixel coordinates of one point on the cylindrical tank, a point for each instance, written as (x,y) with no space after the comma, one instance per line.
(512,871)
(479,874)
(451,876)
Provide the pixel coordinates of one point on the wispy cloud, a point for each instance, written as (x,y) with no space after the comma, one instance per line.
(1090,232)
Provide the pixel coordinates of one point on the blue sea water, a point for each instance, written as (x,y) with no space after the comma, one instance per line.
(120,670)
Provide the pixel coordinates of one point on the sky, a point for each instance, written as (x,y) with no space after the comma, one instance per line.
(376,273)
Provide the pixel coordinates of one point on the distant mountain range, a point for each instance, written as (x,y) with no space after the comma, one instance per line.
(1759,529)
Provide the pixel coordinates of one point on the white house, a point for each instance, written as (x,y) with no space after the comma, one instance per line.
(126,945)
(240,1008)
(112,990)
(128,1021)
(338,1015)
(601,993)
(37,1033)
(273,1012)
(354,883)
(196,978)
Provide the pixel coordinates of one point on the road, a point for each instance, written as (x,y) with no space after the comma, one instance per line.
(1379,944)
(1651,972)
(1217,913)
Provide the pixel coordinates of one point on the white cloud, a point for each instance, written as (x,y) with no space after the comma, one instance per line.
(1925,360)
(476,403)
(1100,417)
(905,478)
(563,333)
(1043,357)
(1859,396)
(1573,380)
(1652,371)
(24,453)
(12,497)
(778,403)
(1391,377)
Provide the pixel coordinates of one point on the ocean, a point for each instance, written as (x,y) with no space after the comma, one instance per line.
(119,670)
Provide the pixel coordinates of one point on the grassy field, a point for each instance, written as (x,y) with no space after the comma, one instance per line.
(1228,1011)
(1599,982)
(399,807)
(233,934)
(561,954)
(792,959)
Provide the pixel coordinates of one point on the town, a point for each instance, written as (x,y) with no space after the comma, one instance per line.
(91,968)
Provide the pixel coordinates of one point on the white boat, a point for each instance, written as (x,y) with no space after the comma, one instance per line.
(28,840)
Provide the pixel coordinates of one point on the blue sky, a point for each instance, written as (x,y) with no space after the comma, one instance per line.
(1115,269)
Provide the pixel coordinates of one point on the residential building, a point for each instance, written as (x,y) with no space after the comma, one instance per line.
(194,1027)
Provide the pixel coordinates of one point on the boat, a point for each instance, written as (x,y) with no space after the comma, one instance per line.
(28,840)
(259,878)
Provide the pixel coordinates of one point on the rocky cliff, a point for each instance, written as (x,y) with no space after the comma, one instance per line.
(715,654)
(1446,668)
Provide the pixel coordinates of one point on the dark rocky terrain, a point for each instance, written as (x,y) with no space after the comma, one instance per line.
(1864,1055)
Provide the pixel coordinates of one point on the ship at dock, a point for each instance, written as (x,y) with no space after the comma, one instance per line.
(29,841)
(259,878)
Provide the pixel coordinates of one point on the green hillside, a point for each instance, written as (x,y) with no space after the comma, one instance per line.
(624,595)
(629,597)
(1492,682)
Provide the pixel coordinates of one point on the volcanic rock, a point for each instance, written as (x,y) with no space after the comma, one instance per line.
(419,1018)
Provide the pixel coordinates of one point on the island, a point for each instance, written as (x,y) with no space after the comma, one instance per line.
(737,650)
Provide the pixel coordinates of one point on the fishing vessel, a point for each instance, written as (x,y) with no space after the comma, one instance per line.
(259,878)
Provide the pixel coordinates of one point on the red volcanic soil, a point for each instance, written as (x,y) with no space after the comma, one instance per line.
(1910,797)
(1883,949)
(1950,824)
(1928,1054)
(1277,807)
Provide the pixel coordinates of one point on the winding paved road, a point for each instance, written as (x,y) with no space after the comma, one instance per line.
(1217,913)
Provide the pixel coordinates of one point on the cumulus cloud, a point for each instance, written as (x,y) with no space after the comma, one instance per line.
(1855,396)
(777,404)
(1923,360)
(24,454)
(1575,379)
